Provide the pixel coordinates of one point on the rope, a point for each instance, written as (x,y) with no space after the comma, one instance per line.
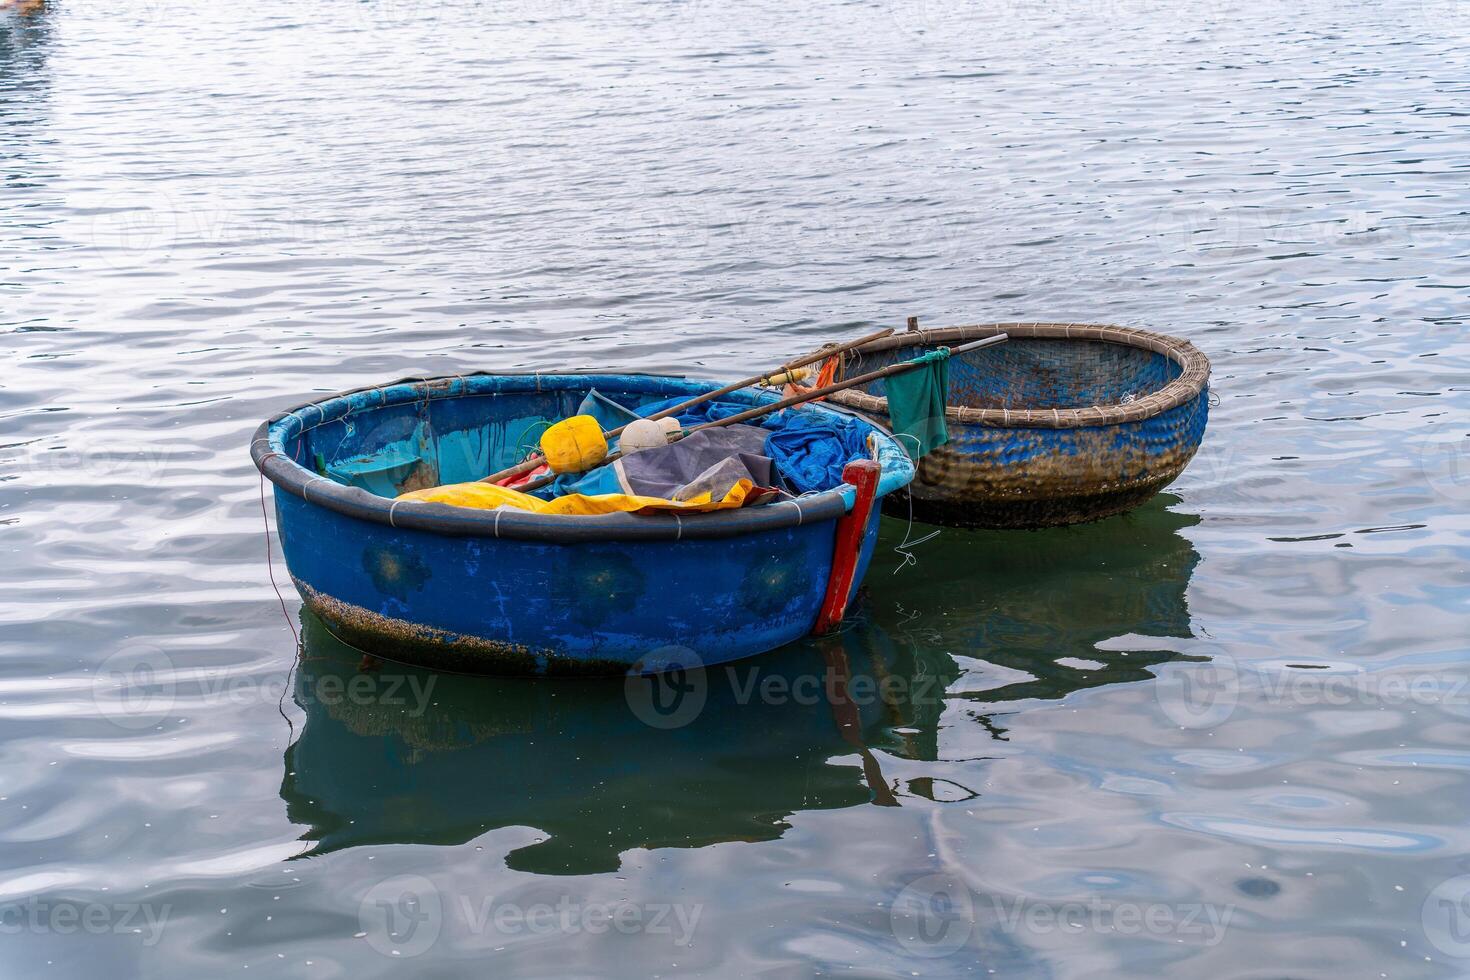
(346,421)
(517,446)
(905,547)
(270,563)
(307,485)
(271,571)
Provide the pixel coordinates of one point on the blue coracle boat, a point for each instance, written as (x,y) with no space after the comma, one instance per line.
(513,592)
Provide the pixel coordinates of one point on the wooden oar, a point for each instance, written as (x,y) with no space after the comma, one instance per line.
(810,394)
(535,459)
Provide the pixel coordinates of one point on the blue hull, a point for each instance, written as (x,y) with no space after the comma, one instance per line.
(503,593)
(519,607)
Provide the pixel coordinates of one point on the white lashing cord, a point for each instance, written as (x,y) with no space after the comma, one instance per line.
(905,547)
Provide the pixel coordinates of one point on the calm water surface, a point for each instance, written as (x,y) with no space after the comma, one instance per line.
(1223,736)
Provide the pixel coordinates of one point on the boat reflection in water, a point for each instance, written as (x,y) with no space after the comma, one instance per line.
(600,766)
(1024,611)
(395,754)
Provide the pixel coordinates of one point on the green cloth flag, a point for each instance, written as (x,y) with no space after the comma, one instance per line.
(916,401)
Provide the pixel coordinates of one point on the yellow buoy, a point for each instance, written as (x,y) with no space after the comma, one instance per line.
(574,445)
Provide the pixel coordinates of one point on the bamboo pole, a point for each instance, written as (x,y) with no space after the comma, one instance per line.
(810,394)
(831,350)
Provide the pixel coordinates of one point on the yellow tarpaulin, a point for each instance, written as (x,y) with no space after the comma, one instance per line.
(487,496)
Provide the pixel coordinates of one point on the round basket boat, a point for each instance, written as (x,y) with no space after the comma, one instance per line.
(514,592)
(1061,424)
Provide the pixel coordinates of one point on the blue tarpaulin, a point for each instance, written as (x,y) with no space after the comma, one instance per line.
(608,413)
(809,449)
(711,460)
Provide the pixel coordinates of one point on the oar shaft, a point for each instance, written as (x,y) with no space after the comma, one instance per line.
(524,466)
(794,400)
(976,344)
(815,393)
(536,459)
(812,358)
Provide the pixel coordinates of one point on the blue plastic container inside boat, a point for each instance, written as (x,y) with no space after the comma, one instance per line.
(511,592)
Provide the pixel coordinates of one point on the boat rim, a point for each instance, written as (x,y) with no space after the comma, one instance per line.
(1193,379)
(267,447)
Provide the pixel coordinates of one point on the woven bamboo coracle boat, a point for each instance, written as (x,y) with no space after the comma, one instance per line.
(1064,423)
